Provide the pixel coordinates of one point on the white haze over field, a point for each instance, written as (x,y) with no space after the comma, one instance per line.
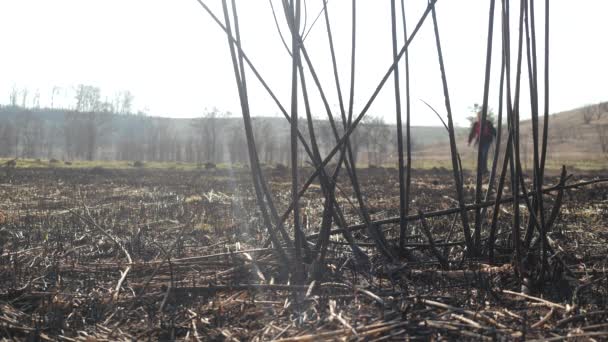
(175,60)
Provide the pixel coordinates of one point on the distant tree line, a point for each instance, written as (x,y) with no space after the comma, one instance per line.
(91,128)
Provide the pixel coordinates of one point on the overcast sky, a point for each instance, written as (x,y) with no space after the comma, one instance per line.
(175,60)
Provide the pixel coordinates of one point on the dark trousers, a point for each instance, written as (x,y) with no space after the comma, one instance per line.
(485,148)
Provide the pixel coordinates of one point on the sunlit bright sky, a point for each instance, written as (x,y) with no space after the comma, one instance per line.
(175,59)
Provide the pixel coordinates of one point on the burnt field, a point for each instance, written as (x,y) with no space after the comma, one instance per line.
(104,254)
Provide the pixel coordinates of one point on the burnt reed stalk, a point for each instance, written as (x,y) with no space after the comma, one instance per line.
(532,206)
(503,173)
(326,222)
(546,94)
(259,78)
(262,181)
(498,142)
(498,200)
(349,238)
(357,120)
(260,174)
(482,123)
(339,93)
(534,119)
(408,179)
(241,85)
(340,143)
(334,209)
(374,232)
(280,220)
(294,7)
(346,154)
(516,172)
(508,157)
(501,182)
(539,166)
(326,104)
(543,155)
(349,131)
(427,232)
(327,188)
(281,108)
(558,201)
(453,150)
(400,166)
(256,160)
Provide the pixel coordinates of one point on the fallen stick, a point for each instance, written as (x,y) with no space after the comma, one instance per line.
(579,317)
(468,321)
(462,274)
(461,310)
(544,319)
(372,296)
(540,300)
(594,326)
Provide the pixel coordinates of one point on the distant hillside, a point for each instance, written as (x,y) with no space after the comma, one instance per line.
(576,137)
(574,133)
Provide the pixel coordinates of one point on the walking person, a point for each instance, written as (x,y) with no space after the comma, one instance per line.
(488,134)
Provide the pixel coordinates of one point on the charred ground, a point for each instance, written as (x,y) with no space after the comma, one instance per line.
(200,267)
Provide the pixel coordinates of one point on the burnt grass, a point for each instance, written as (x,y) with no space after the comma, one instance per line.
(201,269)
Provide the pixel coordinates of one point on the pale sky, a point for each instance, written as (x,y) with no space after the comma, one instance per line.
(175,60)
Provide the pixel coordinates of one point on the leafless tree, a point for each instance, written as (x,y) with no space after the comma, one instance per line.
(325,136)
(270,142)
(588,113)
(602,108)
(36,99)
(13,96)
(24,94)
(83,132)
(91,117)
(48,142)
(8,138)
(237,146)
(602,132)
(151,139)
(54,91)
(88,98)
(32,134)
(130,139)
(189,150)
(70,137)
(302,157)
(208,128)
(123,102)
(377,140)
(358,139)
(166,140)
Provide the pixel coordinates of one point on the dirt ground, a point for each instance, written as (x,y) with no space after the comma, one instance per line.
(100,254)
